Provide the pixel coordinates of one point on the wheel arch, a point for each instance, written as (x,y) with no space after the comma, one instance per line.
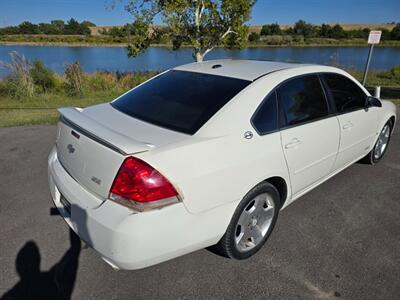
(393,119)
(280,184)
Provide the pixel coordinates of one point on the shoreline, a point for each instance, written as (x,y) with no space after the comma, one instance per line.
(122,45)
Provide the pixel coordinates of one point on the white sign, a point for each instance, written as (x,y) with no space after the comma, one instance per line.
(374,37)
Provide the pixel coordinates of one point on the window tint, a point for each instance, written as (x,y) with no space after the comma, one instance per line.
(266,117)
(179,100)
(347,95)
(302,99)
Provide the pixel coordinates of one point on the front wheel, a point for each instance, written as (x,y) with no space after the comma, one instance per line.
(252,222)
(381,145)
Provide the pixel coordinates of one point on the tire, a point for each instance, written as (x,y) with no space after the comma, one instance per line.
(255,215)
(379,149)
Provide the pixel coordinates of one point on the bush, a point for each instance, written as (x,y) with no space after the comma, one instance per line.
(271,29)
(74,79)
(19,84)
(101,81)
(395,71)
(395,33)
(277,39)
(42,76)
(254,37)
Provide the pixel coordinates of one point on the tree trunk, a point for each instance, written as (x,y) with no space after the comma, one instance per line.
(198,56)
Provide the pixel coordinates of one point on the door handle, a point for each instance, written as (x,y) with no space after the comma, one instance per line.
(293,143)
(348,125)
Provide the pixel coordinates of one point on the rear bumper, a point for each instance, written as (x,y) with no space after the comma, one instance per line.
(129,240)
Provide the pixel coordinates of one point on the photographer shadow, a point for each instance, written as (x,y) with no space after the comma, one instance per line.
(56,283)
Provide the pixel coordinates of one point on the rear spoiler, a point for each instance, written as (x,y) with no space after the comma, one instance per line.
(75,118)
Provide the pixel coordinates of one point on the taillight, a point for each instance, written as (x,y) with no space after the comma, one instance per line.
(139,185)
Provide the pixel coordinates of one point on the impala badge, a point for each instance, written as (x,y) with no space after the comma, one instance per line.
(70,148)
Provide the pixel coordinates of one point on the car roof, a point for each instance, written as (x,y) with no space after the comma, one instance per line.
(241,69)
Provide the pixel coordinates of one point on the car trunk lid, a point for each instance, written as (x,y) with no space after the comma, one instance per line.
(92,152)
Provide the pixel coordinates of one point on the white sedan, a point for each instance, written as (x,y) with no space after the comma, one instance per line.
(208,154)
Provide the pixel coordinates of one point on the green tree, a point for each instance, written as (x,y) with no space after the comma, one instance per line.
(385,34)
(338,32)
(254,37)
(28,28)
(72,27)
(395,33)
(58,26)
(301,27)
(204,24)
(325,31)
(271,29)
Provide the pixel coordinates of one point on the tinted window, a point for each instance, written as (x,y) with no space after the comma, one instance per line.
(266,117)
(178,100)
(347,95)
(302,99)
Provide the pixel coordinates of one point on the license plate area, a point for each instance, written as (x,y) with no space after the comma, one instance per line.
(64,202)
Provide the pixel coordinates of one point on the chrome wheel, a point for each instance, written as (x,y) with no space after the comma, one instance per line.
(254,222)
(382,142)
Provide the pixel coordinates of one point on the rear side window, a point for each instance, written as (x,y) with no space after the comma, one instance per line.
(347,94)
(180,100)
(265,119)
(302,99)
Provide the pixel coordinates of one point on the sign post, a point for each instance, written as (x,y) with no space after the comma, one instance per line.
(373,38)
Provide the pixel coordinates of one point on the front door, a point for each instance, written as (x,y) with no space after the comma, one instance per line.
(358,124)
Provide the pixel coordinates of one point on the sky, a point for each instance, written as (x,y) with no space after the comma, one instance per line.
(13,12)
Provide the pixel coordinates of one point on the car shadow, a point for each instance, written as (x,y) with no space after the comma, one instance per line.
(56,283)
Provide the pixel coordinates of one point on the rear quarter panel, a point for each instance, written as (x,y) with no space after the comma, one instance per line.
(210,172)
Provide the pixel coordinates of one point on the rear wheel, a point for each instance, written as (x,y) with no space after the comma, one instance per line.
(380,147)
(252,222)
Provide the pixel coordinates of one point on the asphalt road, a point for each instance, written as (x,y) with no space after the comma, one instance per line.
(341,240)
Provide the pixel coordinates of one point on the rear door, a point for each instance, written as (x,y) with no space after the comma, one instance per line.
(309,134)
(357,123)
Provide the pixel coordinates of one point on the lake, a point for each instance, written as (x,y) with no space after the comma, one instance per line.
(155,58)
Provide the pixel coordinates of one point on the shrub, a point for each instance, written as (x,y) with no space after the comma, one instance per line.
(395,33)
(101,81)
(395,71)
(74,79)
(42,76)
(254,37)
(271,29)
(19,83)
(3,88)
(127,81)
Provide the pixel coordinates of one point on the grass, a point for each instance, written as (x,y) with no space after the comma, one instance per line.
(43,109)
(18,117)
(375,78)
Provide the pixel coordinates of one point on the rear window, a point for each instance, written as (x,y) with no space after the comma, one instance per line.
(179,100)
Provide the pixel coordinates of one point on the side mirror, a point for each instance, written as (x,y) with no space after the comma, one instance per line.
(372,102)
